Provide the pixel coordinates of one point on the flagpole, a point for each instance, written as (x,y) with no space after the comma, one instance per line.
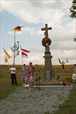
(8,64)
(22,61)
(22,57)
(14,47)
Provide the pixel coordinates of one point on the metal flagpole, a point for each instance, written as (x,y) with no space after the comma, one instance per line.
(21,55)
(14,47)
(22,61)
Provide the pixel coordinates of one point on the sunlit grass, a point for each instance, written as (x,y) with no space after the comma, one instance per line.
(5,82)
(69,106)
(6,87)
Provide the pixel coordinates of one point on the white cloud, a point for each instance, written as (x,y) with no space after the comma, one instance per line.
(56,14)
(32,31)
(47,2)
(33,14)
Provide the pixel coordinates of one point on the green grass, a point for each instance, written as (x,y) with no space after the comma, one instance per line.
(69,106)
(6,87)
(6,90)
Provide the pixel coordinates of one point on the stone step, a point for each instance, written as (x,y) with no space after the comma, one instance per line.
(42,86)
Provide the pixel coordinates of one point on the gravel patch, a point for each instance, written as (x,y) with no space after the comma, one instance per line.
(24,101)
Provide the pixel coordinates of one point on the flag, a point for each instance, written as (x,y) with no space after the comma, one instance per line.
(17,29)
(24,54)
(24,50)
(7,56)
(60,61)
(5,59)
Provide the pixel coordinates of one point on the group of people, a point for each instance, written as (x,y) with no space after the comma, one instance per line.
(27,74)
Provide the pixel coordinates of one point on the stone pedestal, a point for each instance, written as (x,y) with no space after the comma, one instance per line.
(48,64)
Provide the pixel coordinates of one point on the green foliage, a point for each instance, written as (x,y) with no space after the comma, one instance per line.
(73,9)
(68,79)
(47,112)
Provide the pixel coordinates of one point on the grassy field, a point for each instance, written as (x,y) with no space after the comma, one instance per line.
(6,88)
(5,81)
(68,107)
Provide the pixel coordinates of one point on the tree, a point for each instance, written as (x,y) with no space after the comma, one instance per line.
(73,15)
(73,9)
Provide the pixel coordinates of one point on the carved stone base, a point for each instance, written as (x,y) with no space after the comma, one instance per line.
(49,72)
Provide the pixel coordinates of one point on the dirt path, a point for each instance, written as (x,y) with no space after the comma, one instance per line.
(35,101)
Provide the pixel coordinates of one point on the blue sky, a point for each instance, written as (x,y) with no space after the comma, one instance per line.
(33,15)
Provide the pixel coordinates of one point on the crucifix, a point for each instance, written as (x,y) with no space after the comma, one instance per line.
(46,43)
(46,30)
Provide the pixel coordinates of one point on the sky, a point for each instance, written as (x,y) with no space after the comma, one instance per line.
(33,15)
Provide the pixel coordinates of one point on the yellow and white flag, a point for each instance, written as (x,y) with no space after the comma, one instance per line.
(5,60)
(7,56)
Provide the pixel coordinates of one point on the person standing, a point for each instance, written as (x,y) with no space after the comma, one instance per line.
(12,72)
(31,80)
(27,74)
(63,64)
(24,73)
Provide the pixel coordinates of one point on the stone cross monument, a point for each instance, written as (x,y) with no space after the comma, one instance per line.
(48,64)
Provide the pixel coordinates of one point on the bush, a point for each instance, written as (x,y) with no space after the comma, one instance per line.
(68,79)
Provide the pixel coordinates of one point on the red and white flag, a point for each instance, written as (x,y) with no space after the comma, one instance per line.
(24,52)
